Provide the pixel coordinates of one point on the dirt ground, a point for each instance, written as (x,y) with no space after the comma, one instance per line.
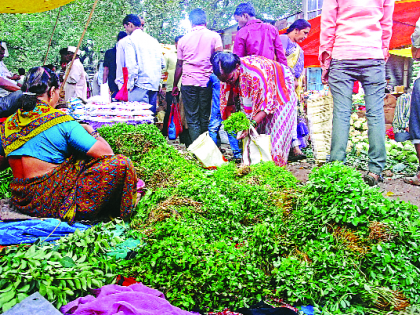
(392,188)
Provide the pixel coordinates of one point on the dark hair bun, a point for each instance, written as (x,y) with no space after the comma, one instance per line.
(38,81)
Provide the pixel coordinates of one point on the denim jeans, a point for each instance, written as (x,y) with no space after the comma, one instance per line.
(216,118)
(402,136)
(414,124)
(197,105)
(9,104)
(142,95)
(371,73)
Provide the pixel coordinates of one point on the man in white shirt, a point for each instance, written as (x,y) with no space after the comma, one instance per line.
(120,60)
(10,92)
(76,82)
(144,60)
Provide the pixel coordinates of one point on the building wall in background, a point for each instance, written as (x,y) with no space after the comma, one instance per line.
(311,8)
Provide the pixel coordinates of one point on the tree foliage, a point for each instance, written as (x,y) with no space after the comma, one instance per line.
(27,35)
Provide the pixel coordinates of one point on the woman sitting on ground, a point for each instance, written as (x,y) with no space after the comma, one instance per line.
(265,91)
(61,169)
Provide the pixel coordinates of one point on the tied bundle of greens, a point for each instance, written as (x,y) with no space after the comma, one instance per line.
(6,177)
(236,122)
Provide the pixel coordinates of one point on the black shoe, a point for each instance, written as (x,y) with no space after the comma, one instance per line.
(295,158)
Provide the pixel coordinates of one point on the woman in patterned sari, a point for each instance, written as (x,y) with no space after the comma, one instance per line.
(296,33)
(61,169)
(265,91)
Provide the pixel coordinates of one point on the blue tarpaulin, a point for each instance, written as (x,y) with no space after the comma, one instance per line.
(308,310)
(29,231)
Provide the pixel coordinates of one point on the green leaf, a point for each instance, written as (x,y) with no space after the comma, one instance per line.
(67,262)
(9,305)
(21,297)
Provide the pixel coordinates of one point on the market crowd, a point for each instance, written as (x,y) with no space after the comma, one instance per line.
(64,169)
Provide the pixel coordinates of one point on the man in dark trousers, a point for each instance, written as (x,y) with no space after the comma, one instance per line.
(193,64)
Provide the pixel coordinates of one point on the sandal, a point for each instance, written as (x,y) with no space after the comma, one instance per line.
(413,180)
(295,158)
(372,181)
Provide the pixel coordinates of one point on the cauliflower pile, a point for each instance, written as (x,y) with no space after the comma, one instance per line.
(358,138)
(358,142)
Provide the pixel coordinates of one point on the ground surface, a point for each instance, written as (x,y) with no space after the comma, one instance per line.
(392,188)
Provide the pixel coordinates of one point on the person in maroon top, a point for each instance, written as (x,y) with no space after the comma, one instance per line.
(255,37)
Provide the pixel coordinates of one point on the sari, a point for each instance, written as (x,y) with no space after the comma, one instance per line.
(77,188)
(265,85)
(295,61)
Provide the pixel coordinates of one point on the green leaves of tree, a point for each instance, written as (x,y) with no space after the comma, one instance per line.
(28,35)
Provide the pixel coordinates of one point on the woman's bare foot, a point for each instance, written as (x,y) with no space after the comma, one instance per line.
(297,151)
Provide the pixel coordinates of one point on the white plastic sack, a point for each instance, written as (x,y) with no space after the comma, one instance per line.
(104,96)
(256,148)
(207,151)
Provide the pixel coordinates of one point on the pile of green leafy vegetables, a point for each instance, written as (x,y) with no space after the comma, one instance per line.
(231,237)
(236,122)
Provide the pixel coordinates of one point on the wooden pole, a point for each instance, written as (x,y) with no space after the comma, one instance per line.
(49,44)
(78,46)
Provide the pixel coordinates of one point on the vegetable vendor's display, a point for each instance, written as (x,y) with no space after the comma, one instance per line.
(227,238)
(401,157)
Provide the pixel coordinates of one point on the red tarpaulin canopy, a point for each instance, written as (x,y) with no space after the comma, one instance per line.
(406,14)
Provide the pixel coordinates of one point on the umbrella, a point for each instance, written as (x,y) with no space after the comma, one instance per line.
(32,6)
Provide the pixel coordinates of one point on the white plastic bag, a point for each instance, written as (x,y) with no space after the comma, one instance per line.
(256,148)
(104,96)
(207,151)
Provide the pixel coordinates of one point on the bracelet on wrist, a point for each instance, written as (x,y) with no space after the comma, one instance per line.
(95,134)
(254,123)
